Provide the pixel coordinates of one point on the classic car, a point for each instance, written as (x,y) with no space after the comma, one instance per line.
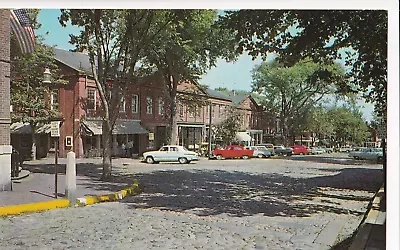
(232,151)
(260,151)
(281,150)
(170,153)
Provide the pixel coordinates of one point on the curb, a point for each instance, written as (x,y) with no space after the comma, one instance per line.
(136,188)
(365,227)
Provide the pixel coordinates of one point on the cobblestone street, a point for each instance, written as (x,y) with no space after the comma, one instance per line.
(303,202)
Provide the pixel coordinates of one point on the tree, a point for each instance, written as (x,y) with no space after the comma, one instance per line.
(320,123)
(225,132)
(184,51)
(349,126)
(358,37)
(293,91)
(117,42)
(29,98)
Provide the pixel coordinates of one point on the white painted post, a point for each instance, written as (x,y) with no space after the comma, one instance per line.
(70,177)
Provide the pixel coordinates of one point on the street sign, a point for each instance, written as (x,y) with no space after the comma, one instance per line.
(55,129)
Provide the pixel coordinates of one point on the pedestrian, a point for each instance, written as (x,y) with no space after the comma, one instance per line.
(123,149)
(130,148)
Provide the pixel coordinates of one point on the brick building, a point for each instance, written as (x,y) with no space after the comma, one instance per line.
(5,147)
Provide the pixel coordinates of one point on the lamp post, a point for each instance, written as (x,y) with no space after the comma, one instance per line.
(209,133)
(55,132)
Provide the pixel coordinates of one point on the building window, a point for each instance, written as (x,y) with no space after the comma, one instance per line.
(135,104)
(198,109)
(54,100)
(91,99)
(219,111)
(181,109)
(149,105)
(122,106)
(206,111)
(160,106)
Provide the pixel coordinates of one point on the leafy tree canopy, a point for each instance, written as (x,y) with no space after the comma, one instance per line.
(359,37)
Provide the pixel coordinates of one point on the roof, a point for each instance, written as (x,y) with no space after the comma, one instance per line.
(121,127)
(218,94)
(77,61)
(237,99)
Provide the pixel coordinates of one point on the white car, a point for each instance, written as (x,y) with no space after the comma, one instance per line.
(260,151)
(368,154)
(170,153)
(316,151)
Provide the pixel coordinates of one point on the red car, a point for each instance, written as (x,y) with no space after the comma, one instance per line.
(299,150)
(232,151)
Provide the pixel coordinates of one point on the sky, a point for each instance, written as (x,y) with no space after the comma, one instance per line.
(231,75)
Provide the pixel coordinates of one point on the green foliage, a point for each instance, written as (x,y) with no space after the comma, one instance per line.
(359,37)
(292,91)
(225,132)
(28,94)
(349,126)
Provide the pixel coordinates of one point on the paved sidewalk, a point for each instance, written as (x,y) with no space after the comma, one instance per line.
(372,232)
(40,184)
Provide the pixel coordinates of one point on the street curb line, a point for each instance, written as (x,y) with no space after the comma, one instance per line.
(90,200)
(365,228)
(63,203)
(33,207)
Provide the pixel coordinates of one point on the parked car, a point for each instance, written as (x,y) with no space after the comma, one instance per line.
(170,153)
(233,151)
(281,150)
(269,146)
(317,150)
(367,154)
(260,151)
(328,150)
(345,149)
(299,150)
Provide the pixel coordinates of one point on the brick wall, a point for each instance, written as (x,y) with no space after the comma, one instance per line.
(4,77)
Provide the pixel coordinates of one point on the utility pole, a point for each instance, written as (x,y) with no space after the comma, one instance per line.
(209,133)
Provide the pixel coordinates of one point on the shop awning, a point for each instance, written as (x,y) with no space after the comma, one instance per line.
(25,128)
(122,127)
(243,136)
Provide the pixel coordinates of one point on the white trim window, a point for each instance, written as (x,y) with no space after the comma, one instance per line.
(149,105)
(54,100)
(91,99)
(220,111)
(160,106)
(135,104)
(181,109)
(122,106)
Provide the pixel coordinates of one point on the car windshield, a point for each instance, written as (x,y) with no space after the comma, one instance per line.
(261,148)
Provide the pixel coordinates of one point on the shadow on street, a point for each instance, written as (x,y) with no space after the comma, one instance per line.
(206,192)
(331,160)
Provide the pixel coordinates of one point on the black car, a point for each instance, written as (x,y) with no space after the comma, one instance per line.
(281,150)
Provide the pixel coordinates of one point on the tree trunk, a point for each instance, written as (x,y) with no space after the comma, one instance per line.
(173,119)
(33,149)
(107,144)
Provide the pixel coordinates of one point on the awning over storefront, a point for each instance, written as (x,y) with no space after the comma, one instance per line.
(25,128)
(122,127)
(243,136)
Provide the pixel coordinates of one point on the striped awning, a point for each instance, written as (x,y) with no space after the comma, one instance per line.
(121,127)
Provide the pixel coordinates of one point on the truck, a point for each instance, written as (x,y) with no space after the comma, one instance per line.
(233,151)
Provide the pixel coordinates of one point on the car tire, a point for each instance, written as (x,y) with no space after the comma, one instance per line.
(245,157)
(379,159)
(150,160)
(288,154)
(260,156)
(183,160)
(219,157)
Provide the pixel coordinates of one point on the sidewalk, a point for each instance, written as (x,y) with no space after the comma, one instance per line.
(372,232)
(40,184)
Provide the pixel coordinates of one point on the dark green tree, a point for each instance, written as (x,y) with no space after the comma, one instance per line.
(225,132)
(359,37)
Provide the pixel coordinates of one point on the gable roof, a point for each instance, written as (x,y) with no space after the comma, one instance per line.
(75,60)
(218,94)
